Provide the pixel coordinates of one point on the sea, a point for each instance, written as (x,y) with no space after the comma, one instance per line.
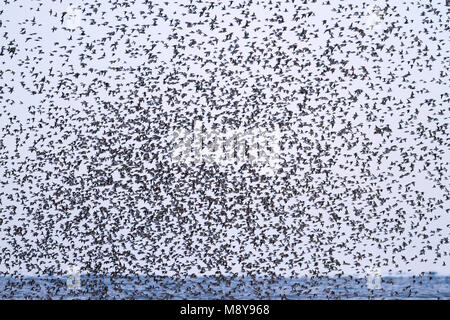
(108,287)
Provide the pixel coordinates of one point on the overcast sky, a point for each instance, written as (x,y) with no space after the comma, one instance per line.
(55,54)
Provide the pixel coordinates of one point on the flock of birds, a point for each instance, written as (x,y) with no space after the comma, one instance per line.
(87,114)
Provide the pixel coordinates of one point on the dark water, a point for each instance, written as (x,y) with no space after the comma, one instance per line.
(139,287)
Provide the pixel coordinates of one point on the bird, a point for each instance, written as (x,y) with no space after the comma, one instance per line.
(249,150)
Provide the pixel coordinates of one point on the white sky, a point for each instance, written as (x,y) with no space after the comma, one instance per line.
(40,49)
